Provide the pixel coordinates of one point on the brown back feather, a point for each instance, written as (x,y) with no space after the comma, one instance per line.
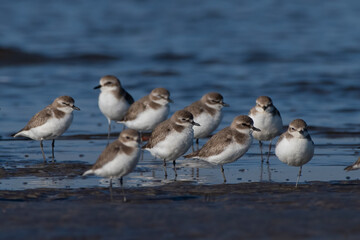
(38,119)
(196,108)
(215,145)
(110,153)
(137,107)
(159,133)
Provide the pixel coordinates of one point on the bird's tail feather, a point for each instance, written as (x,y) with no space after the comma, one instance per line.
(192,155)
(16,134)
(349,168)
(88,172)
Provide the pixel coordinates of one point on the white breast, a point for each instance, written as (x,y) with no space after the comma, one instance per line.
(270,126)
(112,107)
(174,145)
(120,166)
(207,123)
(231,153)
(295,151)
(52,129)
(147,120)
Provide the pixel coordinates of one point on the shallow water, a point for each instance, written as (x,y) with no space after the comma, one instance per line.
(304,55)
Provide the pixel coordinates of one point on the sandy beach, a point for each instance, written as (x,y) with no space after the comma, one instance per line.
(183,210)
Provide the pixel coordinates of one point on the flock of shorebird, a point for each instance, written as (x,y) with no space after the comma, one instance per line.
(172,138)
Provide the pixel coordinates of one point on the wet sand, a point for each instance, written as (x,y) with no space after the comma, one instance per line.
(184,210)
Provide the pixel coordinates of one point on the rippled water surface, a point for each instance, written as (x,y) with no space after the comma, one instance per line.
(304,54)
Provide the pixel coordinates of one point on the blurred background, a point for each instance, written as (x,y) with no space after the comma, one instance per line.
(304,54)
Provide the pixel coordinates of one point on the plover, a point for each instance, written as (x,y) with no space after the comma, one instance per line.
(119,158)
(354,166)
(268,119)
(229,144)
(114,100)
(50,123)
(149,111)
(172,138)
(295,146)
(207,112)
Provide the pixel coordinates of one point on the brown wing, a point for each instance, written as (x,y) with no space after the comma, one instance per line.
(159,134)
(215,145)
(275,112)
(195,108)
(136,108)
(128,97)
(108,154)
(38,119)
(351,167)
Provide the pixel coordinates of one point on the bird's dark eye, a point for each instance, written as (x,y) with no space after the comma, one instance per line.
(245,125)
(184,119)
(127,137)
(293,129)
(65,103)
(107,83)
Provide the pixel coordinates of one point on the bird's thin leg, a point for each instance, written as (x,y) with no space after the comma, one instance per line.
(110,189)
(197,144)
(268,156)
(109,130)
(269,172)
(142,151)
(174,164)
(165,172)
(222,171)
(42,150)
(122,189)
(260,144)
(261,171)
(52,149)
(297,180)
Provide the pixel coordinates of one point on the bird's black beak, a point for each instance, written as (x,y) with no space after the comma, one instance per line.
(255,129)
(99,86)
(225,104)
(75,108)
(194,123)
(303,131)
